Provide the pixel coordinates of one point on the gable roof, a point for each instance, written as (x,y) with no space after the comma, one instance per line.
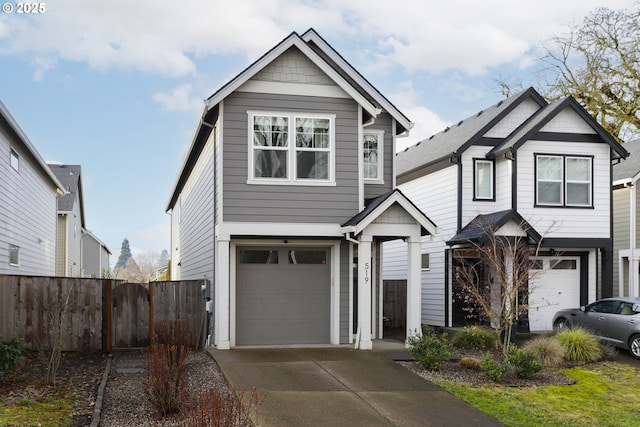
(69,176)
(630,168)
(452,141)
(376,206)
(532,126)
(7,118)
(324,57)
(478,229)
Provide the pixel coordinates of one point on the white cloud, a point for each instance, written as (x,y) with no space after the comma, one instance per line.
(164,37)
(179,98)
(157,231)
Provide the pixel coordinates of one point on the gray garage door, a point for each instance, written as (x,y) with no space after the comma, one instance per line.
(283,296)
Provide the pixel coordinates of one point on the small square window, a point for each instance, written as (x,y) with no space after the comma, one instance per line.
(425,261)
(14,255)
(15,160)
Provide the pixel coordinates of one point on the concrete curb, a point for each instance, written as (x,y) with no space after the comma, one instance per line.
(97,409)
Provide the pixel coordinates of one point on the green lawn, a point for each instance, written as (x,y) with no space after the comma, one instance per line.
(52,409)
(605,394)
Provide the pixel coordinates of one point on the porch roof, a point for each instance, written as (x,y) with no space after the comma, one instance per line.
(478,230)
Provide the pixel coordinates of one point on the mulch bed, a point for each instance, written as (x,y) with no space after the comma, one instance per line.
(78,371)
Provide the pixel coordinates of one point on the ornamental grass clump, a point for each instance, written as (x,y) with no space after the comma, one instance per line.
(430,349)
(579,345)
(475,337)
(548,350)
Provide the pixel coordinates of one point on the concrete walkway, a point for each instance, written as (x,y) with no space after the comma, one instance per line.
(339,386)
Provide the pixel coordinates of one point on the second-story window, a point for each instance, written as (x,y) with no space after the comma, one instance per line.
(372,155)
(291,148)
(15,160)
(483,179)
(564,181)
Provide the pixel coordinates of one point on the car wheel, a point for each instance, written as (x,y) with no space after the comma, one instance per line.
(561,324)
(634,346)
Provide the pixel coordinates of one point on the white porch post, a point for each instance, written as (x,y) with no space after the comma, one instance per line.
(633,273)
(364,292)
(414,286)
(620,274)
(222,294)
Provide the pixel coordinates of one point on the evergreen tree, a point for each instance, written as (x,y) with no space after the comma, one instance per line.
(125,254)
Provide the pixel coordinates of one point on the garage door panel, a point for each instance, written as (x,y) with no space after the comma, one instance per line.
(283,303)
(554,287)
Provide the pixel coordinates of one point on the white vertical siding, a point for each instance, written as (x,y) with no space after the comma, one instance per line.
(28,212)
(513,120)
(566,222)
(436,196)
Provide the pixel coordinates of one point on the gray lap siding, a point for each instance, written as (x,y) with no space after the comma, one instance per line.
(245,202)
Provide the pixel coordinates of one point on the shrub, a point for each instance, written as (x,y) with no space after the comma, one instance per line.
(579,345)
(218,408)
(493,369)
(12,352)
(166,376)
(470,363)
(476,337)
(525,363)
(430,350)
(548,350)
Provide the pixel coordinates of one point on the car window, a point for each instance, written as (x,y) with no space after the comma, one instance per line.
(626,309)
(601,307)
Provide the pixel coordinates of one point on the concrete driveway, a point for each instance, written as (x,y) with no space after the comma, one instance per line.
(339,386)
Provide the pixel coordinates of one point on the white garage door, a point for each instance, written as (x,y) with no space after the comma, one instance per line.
(553,285)
(283,296)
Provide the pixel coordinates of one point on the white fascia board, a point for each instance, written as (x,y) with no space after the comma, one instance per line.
(293,40)
(390,108)
(268,229)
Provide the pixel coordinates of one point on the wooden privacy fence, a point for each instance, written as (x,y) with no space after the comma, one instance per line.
(95,314)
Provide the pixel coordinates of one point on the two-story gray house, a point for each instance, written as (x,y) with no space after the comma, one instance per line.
(28,200)
(523,168)
(284,198)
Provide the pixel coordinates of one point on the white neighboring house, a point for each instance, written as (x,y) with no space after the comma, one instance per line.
(28,204)
(626,239)
(521,159)
(95,255)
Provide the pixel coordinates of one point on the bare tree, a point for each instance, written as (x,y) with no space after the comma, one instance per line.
(130,272)
(500,296)
(148,263)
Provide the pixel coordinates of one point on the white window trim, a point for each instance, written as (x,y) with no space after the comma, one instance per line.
(291,150)
(14,159)
(379,134)
(564,182)
(17,249)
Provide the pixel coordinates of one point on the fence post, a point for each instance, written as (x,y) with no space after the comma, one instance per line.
(150,313)
(107,308)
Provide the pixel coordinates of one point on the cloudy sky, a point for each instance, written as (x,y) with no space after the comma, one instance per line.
(117,85)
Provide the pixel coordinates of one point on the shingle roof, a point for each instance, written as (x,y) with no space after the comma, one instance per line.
(479,228)
(69,176)
(448,142)
(630,168)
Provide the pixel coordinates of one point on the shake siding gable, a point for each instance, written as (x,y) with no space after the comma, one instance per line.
(28,212)
(245,202)
(196,220)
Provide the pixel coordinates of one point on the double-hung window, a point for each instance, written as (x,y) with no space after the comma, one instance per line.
(483,179)
(291,148)
(564,180)
(372,155)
